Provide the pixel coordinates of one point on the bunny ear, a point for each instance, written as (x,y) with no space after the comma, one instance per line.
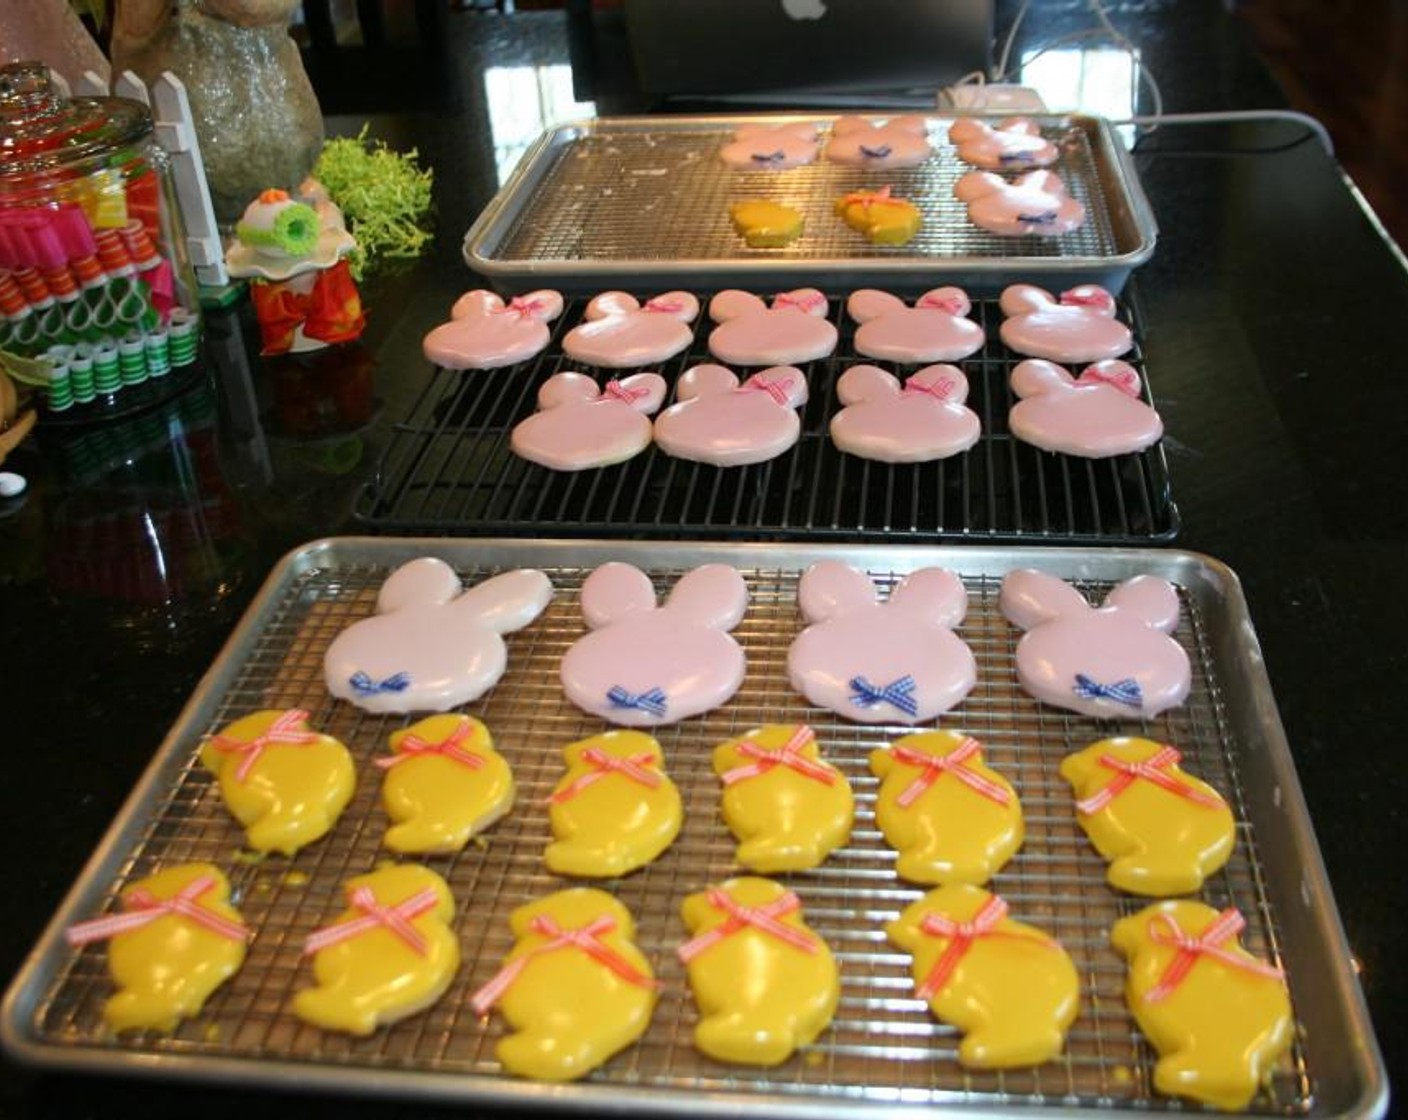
(1020,126)
(616,591)
(935,594)
(567,387)
(731,303)
(421,582)
(507,602)
(914,125)
(644,392)
(1028,598)
(848,125)
(1092,297)
(683,306)
(945,382)
(611,303)
(975,184)
(870,303)
(809,301)
(830,588)
(1023,299)
(965,129)
(1148,598)
(950,299)
(477,302)
(1048,182)
(799,130)
(704,381)
(866,383)
(1112,371)
(544,305)
(713,595)
(785,384)
(1036,375)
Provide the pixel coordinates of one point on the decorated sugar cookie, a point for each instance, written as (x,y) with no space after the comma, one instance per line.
(1095,415)
(788,807)
(883,217)
(765,224)
(924,420)
(177,939)
(578,427)
(1015,144)
(444,783)
(896,661)
(935,329)
(1219,1017)
(750,333)
(643,665)
(1112,662)
(1079,325)
(390,954)
(615,809)
(285,782)
(1037,204)
(432,645)
(716,420)
(1010,988)
(1163,830)
(575,990)
(766,984)
(620,332)
(486,333)
(951,818)
(762,147)
(898,142)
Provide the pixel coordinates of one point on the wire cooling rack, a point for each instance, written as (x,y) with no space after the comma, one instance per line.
(448,468)
(883,1049)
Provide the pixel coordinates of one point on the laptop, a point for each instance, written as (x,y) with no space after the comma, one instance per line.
(808,50)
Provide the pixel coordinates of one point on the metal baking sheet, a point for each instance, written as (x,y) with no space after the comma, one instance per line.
(884,1053)
(643,201)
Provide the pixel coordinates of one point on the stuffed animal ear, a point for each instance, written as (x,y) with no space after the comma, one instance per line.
(950,299)
(476,303)
(830,588)
(976,184)
(1148,598)
(713,595)
(704,381)
(645,390)
(914,125)
(683,306)
(423,582)
(615,591)
(544,305)
(1036,375)
(567,387)
(866,383)
(731,303)
(945,382)
(1023,299)
(789,379)
(935,594)
(1112,371)
(1030,598)
(611,303)
(507,602)
(871,303)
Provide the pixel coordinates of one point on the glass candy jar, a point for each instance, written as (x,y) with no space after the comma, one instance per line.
(95,282)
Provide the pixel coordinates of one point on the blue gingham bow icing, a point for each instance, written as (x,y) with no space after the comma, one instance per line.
(652,701)
(363,685)
(1014,157)
(899,692)
(1125,692)
(769,157)
(1046,218)
(876,153)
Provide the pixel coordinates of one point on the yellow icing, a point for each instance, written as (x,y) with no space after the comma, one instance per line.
(614,824)
(436,802)
(760,997)
(569,1012)
(1158,842)
(1221,1031)
(375,977)
(167,969)
(886,221)
(784,820)
(291,795)
(1013,993)
(951,833)
(764,224)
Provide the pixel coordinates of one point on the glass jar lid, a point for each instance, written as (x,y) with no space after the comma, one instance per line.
(41,130)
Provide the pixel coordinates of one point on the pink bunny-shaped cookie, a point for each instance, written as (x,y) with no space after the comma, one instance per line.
(1095,415)
(1077,326)
(1109,662)
(899,142)
(761,147)
(1037,203)
(620,332)
(431,645)
(486,333)
(1012,145)
(892,662)
(935,329)
(717,420)
(643,665)
(794,329)
(578,426)
(925,420)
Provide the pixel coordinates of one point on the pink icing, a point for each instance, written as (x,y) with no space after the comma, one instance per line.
(1079,327)
(935,329)
(485,333)
(579,426)
(719,421)
(1095,415)
(759,147)
(1012,145)
(899,142)
(925,420)
(619,332)
(750,333)
(1036,204)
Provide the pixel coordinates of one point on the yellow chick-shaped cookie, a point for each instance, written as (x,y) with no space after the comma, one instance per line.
(574,988)
(283,781)
(765,224)
(951,818)
(176,941)
(1007,986)
(788,808)
(615,809)
(1163,830)
(390,954)
(1219,1017)
(444,784)
(884,219)
(766,983)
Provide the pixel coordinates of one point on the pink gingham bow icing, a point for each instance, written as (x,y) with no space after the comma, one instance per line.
(1125,380)
(788,755)
(1152,769)
(603,765)
(803,302)
(950,304)
(776,389)
(961,937)
(624,393)
(932,767)
(283,731)
(587,938)
(664,306)
(1164,930)
(1074,297)
(762,918)
(143,908)
(523,308)
(453,747)
(940,390)
(867,198)
(396,918)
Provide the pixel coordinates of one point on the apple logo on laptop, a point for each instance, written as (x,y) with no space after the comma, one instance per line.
(804,9)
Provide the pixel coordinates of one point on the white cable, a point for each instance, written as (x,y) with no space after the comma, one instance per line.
(1234,115)
(1000,73)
